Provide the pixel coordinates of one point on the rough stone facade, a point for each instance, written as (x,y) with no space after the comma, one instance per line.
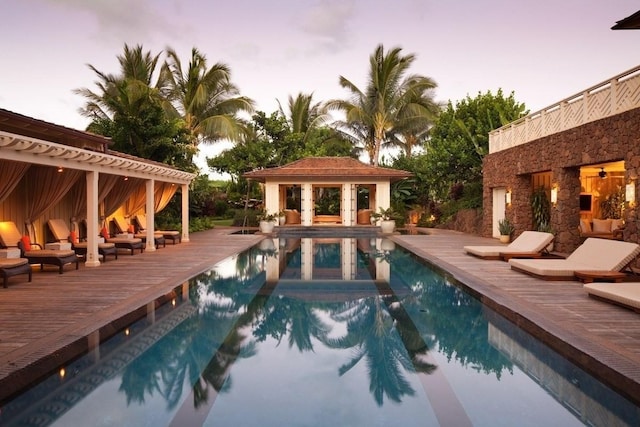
(607,140)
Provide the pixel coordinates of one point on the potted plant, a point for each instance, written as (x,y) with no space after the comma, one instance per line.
(282,218)
(505,228)
(267,221)
(387,218)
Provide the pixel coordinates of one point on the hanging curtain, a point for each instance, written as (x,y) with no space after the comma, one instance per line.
(120,193)
(10,175)
(163,193)
(79,201)
(45,187)
(136,201)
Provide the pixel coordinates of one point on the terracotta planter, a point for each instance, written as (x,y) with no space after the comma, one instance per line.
(505,238)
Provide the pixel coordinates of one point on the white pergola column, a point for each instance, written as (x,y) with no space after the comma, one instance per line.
(383,196)
(150,210)
(306,208)
(272,197)
(185,212)
(91,258)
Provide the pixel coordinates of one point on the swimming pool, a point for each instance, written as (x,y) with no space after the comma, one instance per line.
(326,331)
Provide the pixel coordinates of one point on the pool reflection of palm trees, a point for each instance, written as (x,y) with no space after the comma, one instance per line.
(380,329)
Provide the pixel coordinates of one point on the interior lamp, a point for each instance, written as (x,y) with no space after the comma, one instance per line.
(554,195)
(630,194)
(507,197)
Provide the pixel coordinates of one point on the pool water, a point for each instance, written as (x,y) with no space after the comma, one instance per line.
(320,332)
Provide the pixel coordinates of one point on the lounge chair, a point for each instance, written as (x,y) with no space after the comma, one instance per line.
(530,244)
(61,233)
(173,235)
(625,294)
(127,243)
(593,255)
(10,267)
(123,227)
(10,237)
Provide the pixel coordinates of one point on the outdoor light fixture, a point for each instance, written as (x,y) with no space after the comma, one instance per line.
(60,169)
(554,195)
(602,174)
(630,194)
(507,197)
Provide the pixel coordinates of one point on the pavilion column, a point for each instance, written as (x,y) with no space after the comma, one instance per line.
(271,198)
(306,208)
(348,204)
(91,258)
(383,196)
(185,212)
(150,209)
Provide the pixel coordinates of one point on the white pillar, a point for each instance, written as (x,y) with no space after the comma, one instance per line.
(306,194)
(271,198)
(91,258)
(150,209)
(185,212)
(306,248)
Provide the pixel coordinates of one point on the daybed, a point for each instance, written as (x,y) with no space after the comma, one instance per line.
(60,231)
(10,267)
(625,294)
(530,244)
(593,255)
(602,228)
(173,235)
(33,252)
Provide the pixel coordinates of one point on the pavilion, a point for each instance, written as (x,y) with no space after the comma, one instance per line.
(51,171)
(327,190)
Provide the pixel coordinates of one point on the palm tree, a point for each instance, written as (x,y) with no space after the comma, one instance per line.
(385,103)
(416,118)
(205,98)
(122,94)
(304,116)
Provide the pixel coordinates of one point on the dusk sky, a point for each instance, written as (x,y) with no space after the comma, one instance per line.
(543,51)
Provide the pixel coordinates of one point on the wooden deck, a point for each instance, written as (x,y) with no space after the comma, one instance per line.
(39,320)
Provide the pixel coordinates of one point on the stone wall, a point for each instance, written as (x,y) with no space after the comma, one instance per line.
(611,139)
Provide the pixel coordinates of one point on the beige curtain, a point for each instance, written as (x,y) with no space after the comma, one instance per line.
(120,193)
(45,187)
(10,175)
(136,201)
(163,193)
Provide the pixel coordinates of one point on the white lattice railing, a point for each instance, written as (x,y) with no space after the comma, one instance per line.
(614,96)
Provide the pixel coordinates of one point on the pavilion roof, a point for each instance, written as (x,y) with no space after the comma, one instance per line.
(327,167)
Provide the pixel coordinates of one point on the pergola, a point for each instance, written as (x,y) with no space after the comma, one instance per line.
(305,184)
(35,154)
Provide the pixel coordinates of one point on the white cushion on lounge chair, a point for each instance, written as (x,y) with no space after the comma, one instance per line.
(593,255)
(626,293)
(528,242)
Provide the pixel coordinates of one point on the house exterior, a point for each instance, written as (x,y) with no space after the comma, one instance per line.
(583,152)
(50,171)
(327,190)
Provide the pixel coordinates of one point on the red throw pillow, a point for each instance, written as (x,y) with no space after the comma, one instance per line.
(105,232)
(131,229)
(74,237)
(26,243)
